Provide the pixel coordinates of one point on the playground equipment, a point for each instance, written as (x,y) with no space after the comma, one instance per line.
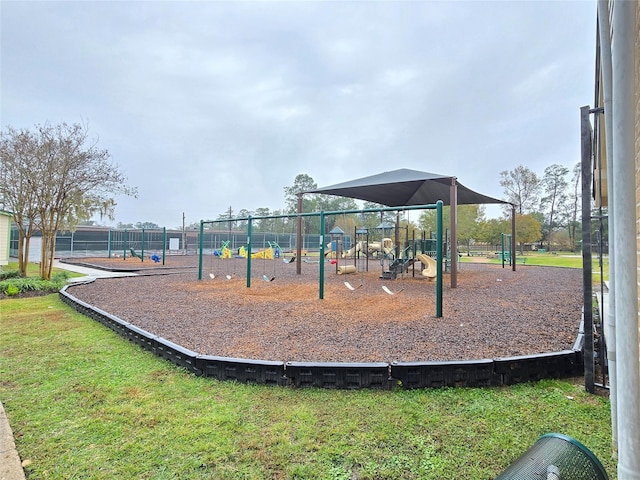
(342,269)
(385,247)
(506,254)
(224,251)
(396,265)
(129,241)
(155,257)
(359,253)
(351,287)
(357,248)
(266,253)
(429,263)
(321,237)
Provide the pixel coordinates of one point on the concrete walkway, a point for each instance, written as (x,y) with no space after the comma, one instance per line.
(10,463)
(90,273)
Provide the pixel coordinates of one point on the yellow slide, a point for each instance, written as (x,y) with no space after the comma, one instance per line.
(430,263)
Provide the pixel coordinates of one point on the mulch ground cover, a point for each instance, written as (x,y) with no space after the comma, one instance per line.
(493,312)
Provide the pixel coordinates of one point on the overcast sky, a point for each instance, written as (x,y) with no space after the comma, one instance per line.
(206,105)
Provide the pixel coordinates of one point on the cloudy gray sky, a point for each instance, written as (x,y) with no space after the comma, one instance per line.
(206,105)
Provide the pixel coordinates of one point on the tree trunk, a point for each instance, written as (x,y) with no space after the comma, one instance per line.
(22,265)
(23,251)
(47,254)
(52,253)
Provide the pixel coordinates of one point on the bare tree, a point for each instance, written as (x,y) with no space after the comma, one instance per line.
(67,179)
(17,159)
(521,187)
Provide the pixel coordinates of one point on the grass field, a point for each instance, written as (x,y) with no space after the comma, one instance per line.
(85,403)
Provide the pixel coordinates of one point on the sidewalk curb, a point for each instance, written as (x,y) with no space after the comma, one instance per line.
(10,464)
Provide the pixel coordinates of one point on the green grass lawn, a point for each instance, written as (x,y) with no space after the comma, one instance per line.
(560,259)
(85,403)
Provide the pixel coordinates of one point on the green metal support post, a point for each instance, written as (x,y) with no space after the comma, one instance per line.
(322,227)
(201,240)
(439,278)
(249,248)
(164,243)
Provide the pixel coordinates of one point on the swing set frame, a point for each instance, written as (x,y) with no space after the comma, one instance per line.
(439,229)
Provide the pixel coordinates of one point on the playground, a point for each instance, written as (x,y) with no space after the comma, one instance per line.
(494,311)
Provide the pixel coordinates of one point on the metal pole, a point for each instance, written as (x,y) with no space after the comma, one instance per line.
(164,243)
(624,198)
(397,235)
(513,237)
(125,244)
(299,236)
(201,250)
(142,246)
(610,334)
(249,248)
(109,244)
(453,201)
(322,227)
(587,306)
(439,229)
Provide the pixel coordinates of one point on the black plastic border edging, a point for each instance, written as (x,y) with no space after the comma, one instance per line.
(339,375)
(335,375)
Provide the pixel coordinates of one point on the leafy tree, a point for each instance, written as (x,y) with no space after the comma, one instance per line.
(228,216)
(315,203)
(332,203)
(574,206)
(262,225)
(469,217)
(489,231)
(122,226)
(554,185)
(521,188)
(242,224)
(302,183)
(67,179)
(528,230)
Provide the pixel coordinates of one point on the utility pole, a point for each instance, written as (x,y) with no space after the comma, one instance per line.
(184,236)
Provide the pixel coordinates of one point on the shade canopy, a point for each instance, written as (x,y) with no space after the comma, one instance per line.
(406,187)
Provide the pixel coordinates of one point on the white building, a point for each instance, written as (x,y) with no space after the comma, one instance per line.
(5,236)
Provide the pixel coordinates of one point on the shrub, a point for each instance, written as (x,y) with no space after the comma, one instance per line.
(9,274)
(31,284)
(12,290)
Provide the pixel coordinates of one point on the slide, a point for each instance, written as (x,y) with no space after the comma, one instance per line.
(378,248)
(428,262)
(353,250)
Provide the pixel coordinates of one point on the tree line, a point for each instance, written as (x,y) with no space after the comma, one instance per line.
(547,211)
